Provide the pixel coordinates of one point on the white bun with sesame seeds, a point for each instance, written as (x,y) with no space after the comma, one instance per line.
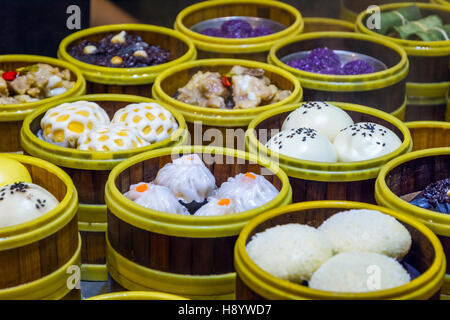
(365,140)
(323,117)
(22,202)
(304,144)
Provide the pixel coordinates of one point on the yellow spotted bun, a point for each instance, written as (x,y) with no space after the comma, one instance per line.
(111,138)
(152,121)
(66,123)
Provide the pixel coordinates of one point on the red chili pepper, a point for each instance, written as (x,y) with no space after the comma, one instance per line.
(10,75)
(226,81)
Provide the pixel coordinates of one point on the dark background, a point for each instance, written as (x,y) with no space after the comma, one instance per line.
(37,26)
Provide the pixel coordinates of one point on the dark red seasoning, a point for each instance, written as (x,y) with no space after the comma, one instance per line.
(9,75)
(226,81)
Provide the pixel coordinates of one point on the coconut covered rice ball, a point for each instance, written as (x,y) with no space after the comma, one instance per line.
(291,251)
(359,272)
(367,230)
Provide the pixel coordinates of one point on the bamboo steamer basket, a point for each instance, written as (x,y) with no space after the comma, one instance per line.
(207,123)
(429,134)
(384,90)
(89,171)
(183,255)
(136,81)
(137,295)
(12,115)
(36,256)
(312,180)
(412,173)
(442,2)
(428,78)
(318,24)
(351,8)
(253,283)
(245,48)
(447,111)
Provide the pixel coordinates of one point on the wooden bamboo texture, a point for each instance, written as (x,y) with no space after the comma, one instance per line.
(180,255)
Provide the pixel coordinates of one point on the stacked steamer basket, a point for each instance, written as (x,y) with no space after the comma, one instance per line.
(137,295)
(318,24)
(253,283)
(351,8)
(402,178)
(118,80)
(384,89)
(285,19)
(187,255)
(442,2)
(313,180)
(427,81)
(40,257)
(429,134)
(220,127)
(12,115)
(89,171)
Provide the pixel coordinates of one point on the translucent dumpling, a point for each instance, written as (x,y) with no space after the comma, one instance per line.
(155,197)
(248,191)
(188,178)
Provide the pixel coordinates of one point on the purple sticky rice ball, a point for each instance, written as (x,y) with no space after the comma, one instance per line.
(357,67)
(319,60)
(261,31)
(238,27)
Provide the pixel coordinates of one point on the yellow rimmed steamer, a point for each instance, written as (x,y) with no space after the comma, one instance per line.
(428,78)
(189,256)
(317,24)
(137,295)
(253,283)
(12,115)
(429,134)
(255,48)
(384,90)
(40,259)
(220,127)
(442,2)
(89,171)
(136,81)
(351,8)
(312,180)
(403,177)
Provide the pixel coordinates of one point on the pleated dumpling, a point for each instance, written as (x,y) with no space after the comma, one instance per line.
(248,191)
(216,207)
(188,178)
(155,197)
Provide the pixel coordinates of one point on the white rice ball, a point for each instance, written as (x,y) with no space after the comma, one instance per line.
(359,272)
(367,230)
(291,251)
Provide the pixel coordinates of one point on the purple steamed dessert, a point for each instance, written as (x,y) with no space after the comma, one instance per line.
(357,67)
(325,61)
(237,28)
